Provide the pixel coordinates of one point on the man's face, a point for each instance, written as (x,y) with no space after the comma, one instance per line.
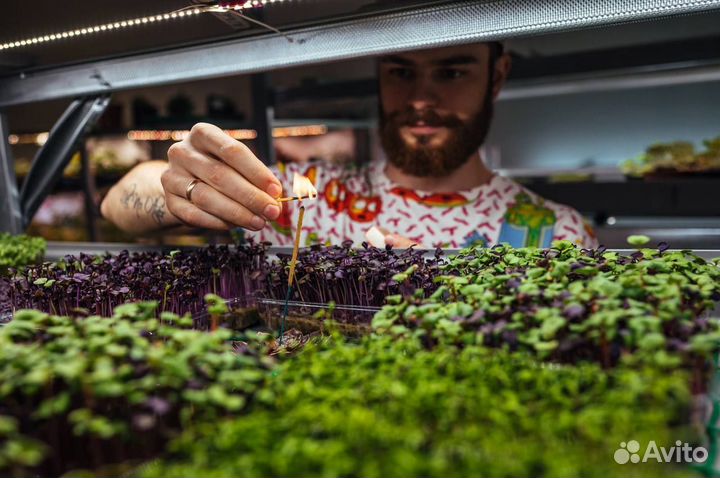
(435,107)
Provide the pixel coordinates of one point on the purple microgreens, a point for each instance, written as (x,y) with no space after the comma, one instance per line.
(177,281)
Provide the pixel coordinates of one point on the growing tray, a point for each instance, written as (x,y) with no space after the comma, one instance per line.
(308,317)
(241,315)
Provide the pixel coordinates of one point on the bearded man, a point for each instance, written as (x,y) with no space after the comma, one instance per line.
(429,187)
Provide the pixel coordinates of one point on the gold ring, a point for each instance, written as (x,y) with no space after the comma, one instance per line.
(189,189)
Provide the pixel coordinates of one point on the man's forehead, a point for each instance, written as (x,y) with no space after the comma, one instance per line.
(462,53)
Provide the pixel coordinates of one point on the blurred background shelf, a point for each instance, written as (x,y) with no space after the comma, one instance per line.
(678,197)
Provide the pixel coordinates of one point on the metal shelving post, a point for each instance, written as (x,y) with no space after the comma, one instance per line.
(10,211)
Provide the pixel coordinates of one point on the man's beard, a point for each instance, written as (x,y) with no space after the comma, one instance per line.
(424,160)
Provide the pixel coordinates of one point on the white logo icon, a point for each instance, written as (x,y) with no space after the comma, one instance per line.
(627,452)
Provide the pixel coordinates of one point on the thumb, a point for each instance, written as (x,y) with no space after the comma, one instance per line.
(392,239)
(396,240)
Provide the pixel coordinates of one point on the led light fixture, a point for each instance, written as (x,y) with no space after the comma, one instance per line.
(219,7)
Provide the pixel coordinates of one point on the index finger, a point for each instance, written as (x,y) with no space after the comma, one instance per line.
(214,141)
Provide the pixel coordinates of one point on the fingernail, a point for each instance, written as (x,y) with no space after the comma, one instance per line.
(257,222)
(274,190)
(272,211)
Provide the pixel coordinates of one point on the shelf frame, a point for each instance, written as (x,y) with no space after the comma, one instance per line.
(57,250)
(443,25)
(11,217)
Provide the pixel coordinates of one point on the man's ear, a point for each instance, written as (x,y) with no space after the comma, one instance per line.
(502,69)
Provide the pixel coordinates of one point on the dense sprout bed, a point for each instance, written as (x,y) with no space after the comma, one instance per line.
(85,284)
(494,362)
(358,277)
(392,408)
(566,304)
(89,392)
(18,251)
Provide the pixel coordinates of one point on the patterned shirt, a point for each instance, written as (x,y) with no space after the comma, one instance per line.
(350,201)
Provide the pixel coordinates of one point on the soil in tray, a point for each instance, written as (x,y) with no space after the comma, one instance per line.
(236,319)
(308,325)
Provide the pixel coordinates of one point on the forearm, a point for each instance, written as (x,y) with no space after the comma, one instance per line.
(137,202)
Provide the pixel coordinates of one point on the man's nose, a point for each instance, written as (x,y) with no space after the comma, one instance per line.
(423,94)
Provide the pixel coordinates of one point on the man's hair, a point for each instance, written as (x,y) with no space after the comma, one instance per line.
(496,50)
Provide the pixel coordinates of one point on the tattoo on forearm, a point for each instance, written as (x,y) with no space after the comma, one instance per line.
(153,206)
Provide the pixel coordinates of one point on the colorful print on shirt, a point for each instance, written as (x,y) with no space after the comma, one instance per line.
(352,200)
(528,222)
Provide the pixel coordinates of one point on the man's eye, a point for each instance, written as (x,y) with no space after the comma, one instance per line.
(450,74)
(402,73)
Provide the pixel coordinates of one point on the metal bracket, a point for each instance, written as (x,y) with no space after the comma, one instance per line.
(10,210)
(62,143)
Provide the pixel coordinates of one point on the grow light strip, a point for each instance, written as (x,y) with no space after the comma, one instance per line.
(180,134)
(221,7)
(35,138)
(80,32)
(305,130)
(241,134)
